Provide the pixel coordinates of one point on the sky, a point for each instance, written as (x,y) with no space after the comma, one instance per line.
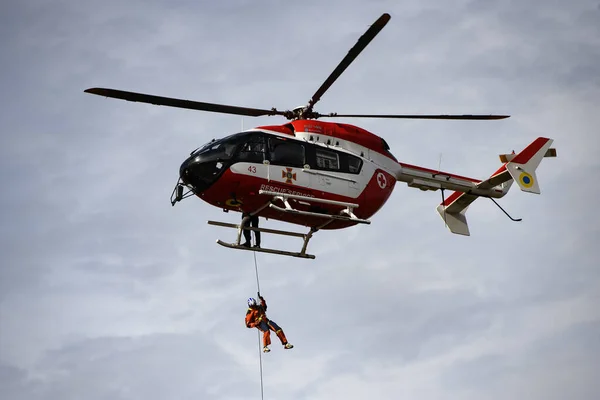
(106,291)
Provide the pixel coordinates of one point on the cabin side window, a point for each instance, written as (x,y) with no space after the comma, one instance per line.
(354,164)
(286,152)
(326,159)
(254,150)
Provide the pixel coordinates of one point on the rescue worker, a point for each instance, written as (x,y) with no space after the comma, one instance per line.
(256,317)
(247,233)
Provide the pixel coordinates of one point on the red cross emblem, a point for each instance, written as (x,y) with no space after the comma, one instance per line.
(381,180)
(288,175)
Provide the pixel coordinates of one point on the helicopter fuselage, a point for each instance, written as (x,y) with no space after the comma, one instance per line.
(325,160)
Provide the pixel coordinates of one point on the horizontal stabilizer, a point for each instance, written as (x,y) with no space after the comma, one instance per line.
(550,153)
(504,158)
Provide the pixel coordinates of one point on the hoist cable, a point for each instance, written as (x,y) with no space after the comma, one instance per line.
(258,332)
(256,270)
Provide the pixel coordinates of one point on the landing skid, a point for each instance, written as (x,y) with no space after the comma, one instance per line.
(261,250)
(238,246)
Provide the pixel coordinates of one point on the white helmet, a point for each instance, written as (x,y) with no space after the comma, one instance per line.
(251,302)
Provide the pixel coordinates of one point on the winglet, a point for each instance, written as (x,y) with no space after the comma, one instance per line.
(455,221)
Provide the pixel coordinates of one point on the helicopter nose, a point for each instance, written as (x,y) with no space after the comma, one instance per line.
(199,173)
(186,166)
(189,171)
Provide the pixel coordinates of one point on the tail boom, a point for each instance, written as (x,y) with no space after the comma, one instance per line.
(429,179)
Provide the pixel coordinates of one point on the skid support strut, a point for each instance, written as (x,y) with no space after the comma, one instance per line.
(346,214)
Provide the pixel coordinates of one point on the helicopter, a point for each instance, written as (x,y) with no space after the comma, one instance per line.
(325,175)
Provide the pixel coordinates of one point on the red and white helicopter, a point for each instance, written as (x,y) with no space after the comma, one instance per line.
(325,175)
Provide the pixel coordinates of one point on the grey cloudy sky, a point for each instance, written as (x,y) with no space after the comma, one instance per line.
(106,291)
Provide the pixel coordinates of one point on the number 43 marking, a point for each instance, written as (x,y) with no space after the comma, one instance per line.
(252,169)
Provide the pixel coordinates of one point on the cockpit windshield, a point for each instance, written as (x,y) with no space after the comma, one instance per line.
(204,146)
(222,148)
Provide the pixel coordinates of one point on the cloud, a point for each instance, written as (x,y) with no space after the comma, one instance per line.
(125,367)
(108,291)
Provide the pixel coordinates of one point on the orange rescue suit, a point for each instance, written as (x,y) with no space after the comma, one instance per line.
(255,315)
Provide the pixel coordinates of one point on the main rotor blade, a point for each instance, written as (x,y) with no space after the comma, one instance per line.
(171,102)
(471,117)
(363,41)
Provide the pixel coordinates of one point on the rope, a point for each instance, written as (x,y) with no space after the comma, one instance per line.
(256,270)
(258,332)
(262,396)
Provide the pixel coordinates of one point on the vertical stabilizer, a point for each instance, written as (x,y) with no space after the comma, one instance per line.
(522,167)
